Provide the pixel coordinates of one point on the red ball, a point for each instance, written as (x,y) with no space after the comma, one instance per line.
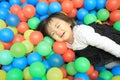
(112,5)
(22,27)
(44,1)
(73,13)
(70,77)
(68,56)
(94,75)
(22,16)
(29,11)
(18,38)
(77,3)
(36,37)
(63,71)
(90,70)
(59,47)
(7,45)
(115,15)
(15,9)
(67,6)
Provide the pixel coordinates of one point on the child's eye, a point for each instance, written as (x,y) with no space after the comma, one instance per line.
(52,34)
(58,26)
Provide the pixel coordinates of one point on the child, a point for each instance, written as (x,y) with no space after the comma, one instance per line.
(99,43)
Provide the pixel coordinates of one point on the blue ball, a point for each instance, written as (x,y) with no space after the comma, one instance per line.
(89,4)
(7,67)
(3,13)
(55,60)
(33,2)
(55,7)
(36,79)
(81,14)
(33,57)
(12,2)
(41,8)
(47,65)
(100,4)
(116,70)
(93,12)
(5,4)
(82,76)
(20,63)
(43,17)
(12,20)
(6,35)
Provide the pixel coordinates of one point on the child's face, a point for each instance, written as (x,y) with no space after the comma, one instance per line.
(59,30)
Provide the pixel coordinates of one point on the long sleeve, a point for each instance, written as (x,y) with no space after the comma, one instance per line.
(90,37)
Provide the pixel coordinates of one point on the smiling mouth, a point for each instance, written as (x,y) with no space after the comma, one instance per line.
(63,34)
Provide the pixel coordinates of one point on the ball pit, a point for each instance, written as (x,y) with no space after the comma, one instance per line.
(25,54)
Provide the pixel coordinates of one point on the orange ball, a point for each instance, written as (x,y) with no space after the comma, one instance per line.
(67,6)
(29,11)
(22,27)
(63,71)
(94,75)
(22,16)
(23,1)
(73,13)
(91,69)
(68,56)
(15,9)
(44,1)
(70,77)
(52,1)
(18,38)
(59,47)
(7,45)
(36,37)
(78,3)
(115,15)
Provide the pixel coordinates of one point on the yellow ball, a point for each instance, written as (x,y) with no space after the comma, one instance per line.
(14,29)
(115,78)
(2,24)
(26,73)
(27,34)
(2,75)
(65,79)
(1,46)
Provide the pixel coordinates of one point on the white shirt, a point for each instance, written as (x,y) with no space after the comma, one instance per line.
(85,35)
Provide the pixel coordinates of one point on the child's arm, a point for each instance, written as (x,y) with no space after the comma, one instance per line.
(94,39)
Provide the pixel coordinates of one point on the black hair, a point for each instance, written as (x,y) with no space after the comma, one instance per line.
(44,23)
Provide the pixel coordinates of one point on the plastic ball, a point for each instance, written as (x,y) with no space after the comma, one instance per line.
(106,75)
(67,6)
(103,14)
(27,34)
(50,1)
(91,69)
(81,13)
(90,18)
(13,2)
(55,7)
(54,74)
(73,13)
(47,65)
(29,11)
(78,3)
(14,9)
(116,25)
(82,62)
(115,78)
(22,16)
(33,2)
(89,4)
(18,38)
(34,57)
(68,56)
(7,45)
(42,8)
(36,37)
(2,75)
(46,1)
(6,35)
(82,76)
(48,40)
(6,68)
(5,4)
(37,69)
(14,29)
(71,69)
(3,13)
(33,22)
(115,15)
(14,74)
(44,48)
(112,5)
(94,75)
(43,17)
(12,20)
(2,24)
(1,46)
(55,60)
(26,73)
(18,49)
(22,27)
(5,57)
(100,4)
(59,47)
(63,71)
(116,70)
(29,46)
(20,63)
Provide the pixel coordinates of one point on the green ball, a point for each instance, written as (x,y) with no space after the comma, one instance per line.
(106,75)
(90,18)
(5,57)
(44,49)
(18,49)
(33,22)
(49,40)
(71,69)
(103,14)
(82,64)
(37,69)
(116,26)
(14,74)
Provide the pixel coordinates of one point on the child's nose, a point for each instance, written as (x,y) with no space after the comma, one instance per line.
(59,32)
